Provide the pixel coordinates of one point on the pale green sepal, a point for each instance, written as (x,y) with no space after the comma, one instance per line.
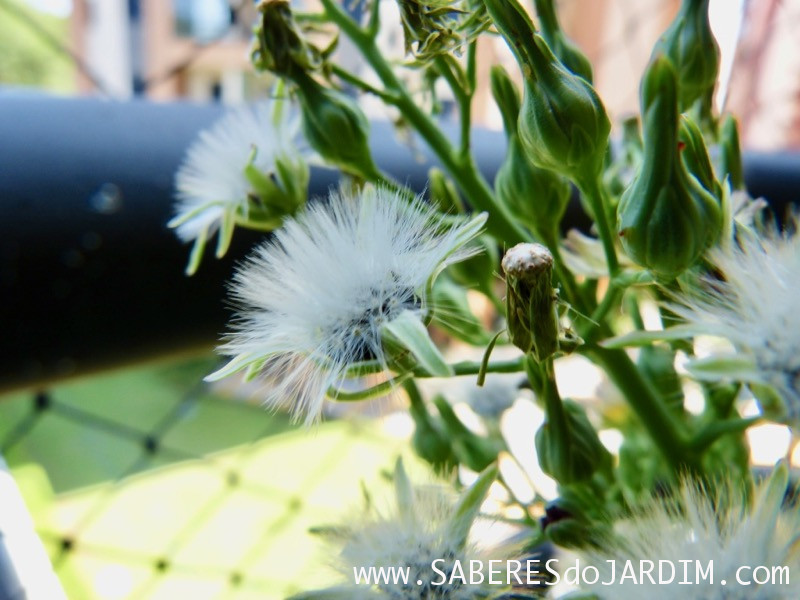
(403,489)
(225,234)
(486,355)
(738,368)
(196,254)
(234,365)
(407,330)
(184,217)
(645,338)
(469,504)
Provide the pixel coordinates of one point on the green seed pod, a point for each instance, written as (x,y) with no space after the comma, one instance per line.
(731,155)
(567,52)
(562,123)
(665,219)
(569,449)
(336,128)
(531,312)
(695,155)
(690,45)
(538,197)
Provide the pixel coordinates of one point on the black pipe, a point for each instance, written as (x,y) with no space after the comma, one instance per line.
(90,276)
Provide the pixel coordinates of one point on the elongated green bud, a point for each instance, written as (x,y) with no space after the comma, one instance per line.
(562,123)
(665,219)
(531,300)
(336,128)
(537,196)
(443,192)
(567,52)
(690,45)
(731,155)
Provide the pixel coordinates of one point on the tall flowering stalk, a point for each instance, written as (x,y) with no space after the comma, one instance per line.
(373,289)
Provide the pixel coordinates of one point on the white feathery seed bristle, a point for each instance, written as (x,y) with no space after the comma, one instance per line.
(753,304)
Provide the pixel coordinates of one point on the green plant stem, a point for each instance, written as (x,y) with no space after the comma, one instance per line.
(715,430)
(463,169)
(648,406)
(591,190)
(463,97)
(516,365)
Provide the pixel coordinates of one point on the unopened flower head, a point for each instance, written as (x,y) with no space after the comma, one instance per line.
(225,168)
(752,302)
(318,297)
(706,526)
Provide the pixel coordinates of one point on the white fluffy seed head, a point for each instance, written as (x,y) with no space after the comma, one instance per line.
(411,536)
(754,305)
(314,299)
(704,525)
(211,181)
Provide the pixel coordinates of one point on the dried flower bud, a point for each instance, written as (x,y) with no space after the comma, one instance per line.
(279,45)
(690,45)
(531,300)
(665,219)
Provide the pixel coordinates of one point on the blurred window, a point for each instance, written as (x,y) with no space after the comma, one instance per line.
(203,20)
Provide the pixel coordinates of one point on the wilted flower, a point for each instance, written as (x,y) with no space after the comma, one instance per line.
(426,528)
(332,285)
(244,169)
(707,527)
(752,302)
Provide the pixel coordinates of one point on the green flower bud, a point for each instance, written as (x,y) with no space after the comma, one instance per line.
(336,128)
(665,219)
(562,124)
(567,52)
(568,447)
(731,155)
(690,45)
(472,450)
(538,197)
(694,154)
(531,300)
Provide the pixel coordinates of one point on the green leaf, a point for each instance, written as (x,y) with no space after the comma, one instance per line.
(645,338)
(738,368)
(486,355)
(408,331)
(403,489)
(469,504)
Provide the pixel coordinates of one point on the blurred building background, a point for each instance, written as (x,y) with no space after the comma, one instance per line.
(198,50)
